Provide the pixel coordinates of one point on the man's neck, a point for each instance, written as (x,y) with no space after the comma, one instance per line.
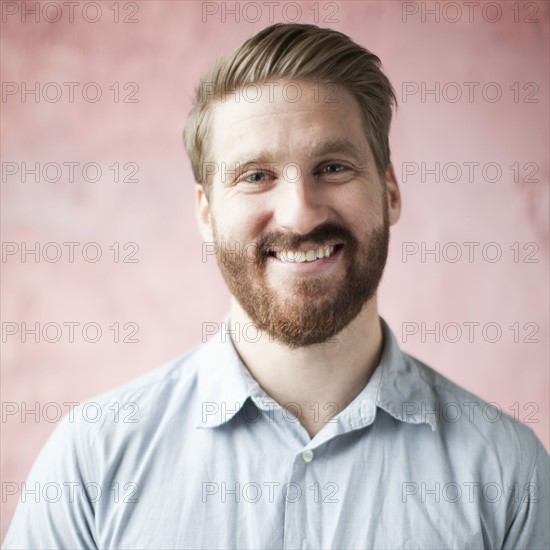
(317,382)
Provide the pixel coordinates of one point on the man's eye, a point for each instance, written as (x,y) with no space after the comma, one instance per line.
(333,168)
(335,173)
(256,177)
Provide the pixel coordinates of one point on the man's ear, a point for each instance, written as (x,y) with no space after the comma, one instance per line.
(394,196)
(202,211)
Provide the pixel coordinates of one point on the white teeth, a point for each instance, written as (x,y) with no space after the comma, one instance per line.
(305,256)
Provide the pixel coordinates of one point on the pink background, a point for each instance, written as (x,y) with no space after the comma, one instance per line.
(169,293)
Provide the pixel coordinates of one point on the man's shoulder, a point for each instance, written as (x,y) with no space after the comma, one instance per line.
(472,420)
(143,401)
(170,375)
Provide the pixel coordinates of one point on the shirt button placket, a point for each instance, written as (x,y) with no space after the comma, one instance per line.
(297,505)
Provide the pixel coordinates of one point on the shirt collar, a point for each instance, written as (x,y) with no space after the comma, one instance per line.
(222,386)
(396,386)
(403,391)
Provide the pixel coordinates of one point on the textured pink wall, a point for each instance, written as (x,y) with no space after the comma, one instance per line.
(168,293)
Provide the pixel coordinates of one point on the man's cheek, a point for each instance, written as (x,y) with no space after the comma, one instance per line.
(251,254)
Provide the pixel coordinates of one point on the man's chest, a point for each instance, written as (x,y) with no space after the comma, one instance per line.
(294,502)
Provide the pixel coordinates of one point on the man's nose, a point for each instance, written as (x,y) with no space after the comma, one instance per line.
(300,206)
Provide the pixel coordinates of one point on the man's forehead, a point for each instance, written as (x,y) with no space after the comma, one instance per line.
(268,100)
(242,129)
(255,153)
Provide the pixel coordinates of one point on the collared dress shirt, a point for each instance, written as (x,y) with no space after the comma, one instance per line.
(196,455)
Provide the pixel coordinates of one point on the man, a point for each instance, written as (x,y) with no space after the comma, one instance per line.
(300,424)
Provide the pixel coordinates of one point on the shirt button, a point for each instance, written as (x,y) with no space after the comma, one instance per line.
(307,455)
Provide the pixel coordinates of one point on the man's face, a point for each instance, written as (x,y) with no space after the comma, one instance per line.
(297,210)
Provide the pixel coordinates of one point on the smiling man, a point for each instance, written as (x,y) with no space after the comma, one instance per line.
(298,180)
(314,430)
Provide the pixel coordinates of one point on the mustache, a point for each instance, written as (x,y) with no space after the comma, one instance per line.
(319,236)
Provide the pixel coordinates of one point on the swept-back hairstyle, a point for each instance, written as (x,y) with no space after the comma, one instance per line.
(295,52)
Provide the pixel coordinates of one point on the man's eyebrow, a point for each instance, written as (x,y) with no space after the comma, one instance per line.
(246,160)
(335,146)
(316,150)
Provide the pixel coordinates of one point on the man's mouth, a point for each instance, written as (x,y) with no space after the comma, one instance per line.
(306,255)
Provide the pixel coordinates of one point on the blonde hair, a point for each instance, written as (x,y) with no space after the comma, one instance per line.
(297,52)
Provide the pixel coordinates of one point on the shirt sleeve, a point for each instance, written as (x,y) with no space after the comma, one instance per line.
(530,527)
(55,508)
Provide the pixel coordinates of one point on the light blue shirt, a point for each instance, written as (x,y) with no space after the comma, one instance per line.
(196,455)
